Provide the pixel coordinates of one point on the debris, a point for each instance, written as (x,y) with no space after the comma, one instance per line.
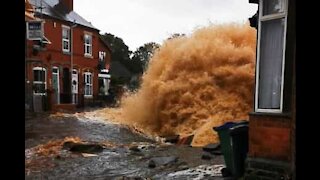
(86,148)
(206,157)
(131,178)
(212,147)
(152,164)
(162,161)
(134,148)
(183,167)
(217,152)
(185,140)
(171,139)
(88,155)
(200,172)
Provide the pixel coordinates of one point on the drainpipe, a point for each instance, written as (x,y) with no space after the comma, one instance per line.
(71,66)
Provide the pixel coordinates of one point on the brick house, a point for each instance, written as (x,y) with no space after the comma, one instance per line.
(272,124)
(63,68)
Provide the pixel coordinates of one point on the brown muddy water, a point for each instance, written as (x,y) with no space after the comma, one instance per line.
(116,161)
(194,83)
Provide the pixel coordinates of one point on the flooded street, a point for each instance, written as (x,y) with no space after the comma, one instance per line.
(126,154)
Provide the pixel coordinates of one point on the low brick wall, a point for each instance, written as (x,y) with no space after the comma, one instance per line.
(264,169)
(270,137)
(64,108)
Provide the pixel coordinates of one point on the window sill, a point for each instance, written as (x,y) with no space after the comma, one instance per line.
(66,52)
(39,94)
(88,96)
(284,115)
(88,56)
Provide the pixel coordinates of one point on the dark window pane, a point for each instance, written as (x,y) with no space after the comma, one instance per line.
(42,76)
(39,88)
(87,50)
(65,33)
(36,75)
(272,6)
(66,45)
(270,67)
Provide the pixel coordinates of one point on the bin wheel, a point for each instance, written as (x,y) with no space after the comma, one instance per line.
(225,172)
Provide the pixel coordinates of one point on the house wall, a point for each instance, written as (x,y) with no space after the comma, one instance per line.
(104,48)
(54,56)
(270,137)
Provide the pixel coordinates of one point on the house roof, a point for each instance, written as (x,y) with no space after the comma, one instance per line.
(55,9)
(117,69)
(105,42)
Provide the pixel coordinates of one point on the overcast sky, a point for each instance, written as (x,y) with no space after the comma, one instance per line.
(140,21)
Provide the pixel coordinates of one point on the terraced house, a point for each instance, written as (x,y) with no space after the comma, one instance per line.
(67,62)
(272,125)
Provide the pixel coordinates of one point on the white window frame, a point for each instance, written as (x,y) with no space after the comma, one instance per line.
(89,84)
(66,40)
(42,30)
(102,55)
(87,54)
(40,82)
(58,81)
(266,18)
(75,76)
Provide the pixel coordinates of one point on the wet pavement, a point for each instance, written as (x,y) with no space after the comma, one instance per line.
(128,155)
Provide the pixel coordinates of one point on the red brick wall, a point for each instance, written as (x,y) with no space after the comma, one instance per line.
(270,137)
(53,54)
(102,47)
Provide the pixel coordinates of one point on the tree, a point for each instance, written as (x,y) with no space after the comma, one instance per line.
(176,35)
(120,52)
(144,53)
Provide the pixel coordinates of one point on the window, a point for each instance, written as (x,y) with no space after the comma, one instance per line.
(65,39)
(39,81)
(88,45)
(102,55)
(270,56)
(87,84)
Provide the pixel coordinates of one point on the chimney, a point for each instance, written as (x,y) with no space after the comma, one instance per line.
(68,4)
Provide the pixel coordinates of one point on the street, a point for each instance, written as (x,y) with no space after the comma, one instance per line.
(126,154)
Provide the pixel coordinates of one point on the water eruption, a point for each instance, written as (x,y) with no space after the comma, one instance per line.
(196,82)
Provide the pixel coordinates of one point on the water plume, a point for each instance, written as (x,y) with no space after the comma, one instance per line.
(196,82)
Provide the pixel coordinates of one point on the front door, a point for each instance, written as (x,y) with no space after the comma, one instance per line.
(39,89)
(74,86)
(66,95)
(55,84)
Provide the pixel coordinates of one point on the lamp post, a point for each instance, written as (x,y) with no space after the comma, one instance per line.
(71,58)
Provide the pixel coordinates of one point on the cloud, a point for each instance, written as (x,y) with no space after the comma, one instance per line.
(141,21)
